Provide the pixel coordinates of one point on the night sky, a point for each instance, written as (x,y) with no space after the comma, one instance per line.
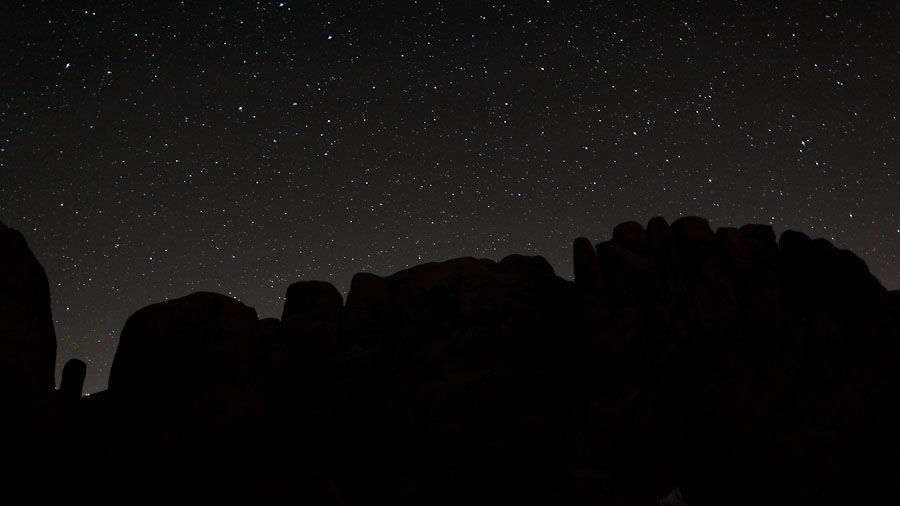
(148,152)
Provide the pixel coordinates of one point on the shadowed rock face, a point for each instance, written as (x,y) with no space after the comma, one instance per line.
(682,366)
(27,337)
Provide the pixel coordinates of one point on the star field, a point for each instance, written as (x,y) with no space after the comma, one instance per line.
(150,151)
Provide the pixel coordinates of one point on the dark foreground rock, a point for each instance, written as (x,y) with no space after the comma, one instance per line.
(27,337)
(72,382)
(27,361)
(682,366)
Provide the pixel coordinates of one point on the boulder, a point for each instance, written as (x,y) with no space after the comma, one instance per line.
(632,236)
(693,236)
(312,300)
(187,386)
(762,240)
(515,305)
(72,379)
(202,339)
(662,242)
(367,312)
(311,320)
(586,264)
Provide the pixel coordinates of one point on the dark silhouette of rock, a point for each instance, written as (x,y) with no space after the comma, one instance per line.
(28,416)
(312,317)
(682,366)
(72,382)
(586,265)
(632,236)
(301,365)
(27,337)
(312,300)
(198,340)
(193,365)
(693,236)
(366,315)
(187,380)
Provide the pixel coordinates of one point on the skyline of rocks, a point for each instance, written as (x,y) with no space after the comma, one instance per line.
(681,362)
(626,234)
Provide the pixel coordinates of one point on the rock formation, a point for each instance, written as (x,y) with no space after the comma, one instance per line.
(682,366)
(27,362)
(27,337)
(72,382)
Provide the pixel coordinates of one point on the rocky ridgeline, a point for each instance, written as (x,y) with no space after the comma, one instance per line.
(681,366)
